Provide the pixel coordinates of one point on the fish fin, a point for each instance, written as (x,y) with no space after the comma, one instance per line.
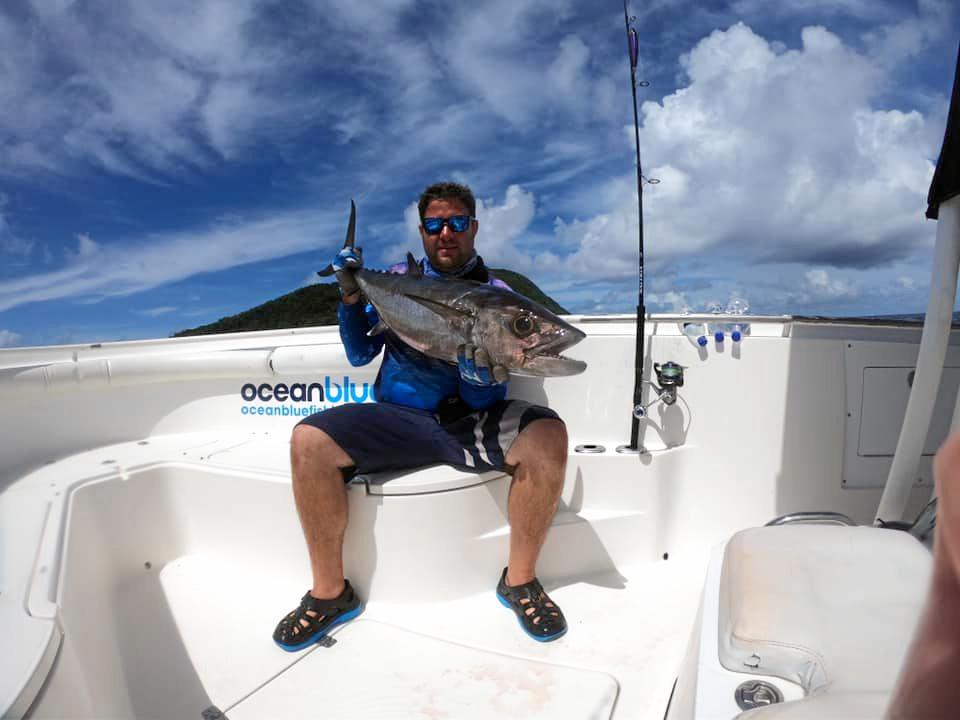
(380,327)
(351,226)
(413,267)
(451,315)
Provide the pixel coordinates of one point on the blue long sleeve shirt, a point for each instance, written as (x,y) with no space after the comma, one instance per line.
(407,376)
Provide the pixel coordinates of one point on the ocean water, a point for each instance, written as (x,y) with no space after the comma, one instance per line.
(904,318)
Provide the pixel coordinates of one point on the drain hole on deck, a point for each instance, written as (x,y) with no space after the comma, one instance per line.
(666,556)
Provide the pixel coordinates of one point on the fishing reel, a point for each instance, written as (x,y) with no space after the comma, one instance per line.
(669,378)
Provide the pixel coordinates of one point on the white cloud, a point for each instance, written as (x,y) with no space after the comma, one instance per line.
(214,35)
(669,301)
(225,117)
(10,243)
(160,90)
(866,9)
(901,39)
(767,157)
(97,271)
(9,338)
(824,286)
(157,90)
(86,246)
(496,52)
(574,85)
(157,311)
(566,71)
(766,154)
(502,227)
(143,89)
(113,99)
(606,244)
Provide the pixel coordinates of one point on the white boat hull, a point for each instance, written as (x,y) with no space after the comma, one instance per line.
(174,454)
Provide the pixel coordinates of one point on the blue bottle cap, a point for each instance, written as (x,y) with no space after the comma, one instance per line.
(735,336)
(701,341)
(718,336)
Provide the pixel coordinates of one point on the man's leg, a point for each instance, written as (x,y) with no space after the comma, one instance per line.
(373,437)
(539,458)
(321,498)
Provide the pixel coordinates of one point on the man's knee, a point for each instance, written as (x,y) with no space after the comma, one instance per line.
(550,436)
(543,441)
(310,445)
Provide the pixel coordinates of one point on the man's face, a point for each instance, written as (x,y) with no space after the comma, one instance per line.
(448,250)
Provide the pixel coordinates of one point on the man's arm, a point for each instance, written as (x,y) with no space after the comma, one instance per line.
(356,319)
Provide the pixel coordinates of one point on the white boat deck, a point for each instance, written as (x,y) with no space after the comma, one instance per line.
(182,552)
(626,642)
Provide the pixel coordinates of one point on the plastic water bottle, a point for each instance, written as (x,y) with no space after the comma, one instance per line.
(717,329)
(696,331)
(738,306)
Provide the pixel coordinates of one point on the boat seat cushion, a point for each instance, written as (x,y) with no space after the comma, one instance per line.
(418,481)
(826,607)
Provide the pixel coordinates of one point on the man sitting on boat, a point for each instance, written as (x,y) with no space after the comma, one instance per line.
(428,411)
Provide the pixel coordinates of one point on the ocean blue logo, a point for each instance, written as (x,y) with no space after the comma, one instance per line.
(317,396)
(347,392)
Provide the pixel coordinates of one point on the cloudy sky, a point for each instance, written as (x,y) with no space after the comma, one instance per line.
(166,164)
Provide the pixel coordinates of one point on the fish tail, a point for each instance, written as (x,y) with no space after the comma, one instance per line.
(348,241)
(351,226)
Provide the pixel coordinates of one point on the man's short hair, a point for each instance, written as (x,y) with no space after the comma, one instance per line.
(447,191)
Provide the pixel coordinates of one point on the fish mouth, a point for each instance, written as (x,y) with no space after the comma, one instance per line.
(545,359)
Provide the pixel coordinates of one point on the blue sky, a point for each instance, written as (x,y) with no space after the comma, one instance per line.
(166,164)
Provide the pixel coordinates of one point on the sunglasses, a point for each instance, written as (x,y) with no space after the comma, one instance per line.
(457,223)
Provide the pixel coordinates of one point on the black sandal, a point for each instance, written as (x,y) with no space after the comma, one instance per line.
(314,618)
(539,616)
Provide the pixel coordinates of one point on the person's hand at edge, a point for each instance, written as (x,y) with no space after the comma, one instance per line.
(476,367)
(347,261)
(927,685)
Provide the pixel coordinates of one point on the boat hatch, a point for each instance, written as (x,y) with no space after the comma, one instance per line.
(472,683)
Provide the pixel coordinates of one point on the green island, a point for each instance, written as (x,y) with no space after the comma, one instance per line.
(316,305)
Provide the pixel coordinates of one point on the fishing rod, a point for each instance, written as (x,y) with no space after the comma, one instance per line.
(633,46)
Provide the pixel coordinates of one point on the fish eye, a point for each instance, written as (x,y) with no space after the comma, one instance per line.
(523,325)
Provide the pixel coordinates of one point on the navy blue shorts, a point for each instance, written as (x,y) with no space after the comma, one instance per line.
(384,436)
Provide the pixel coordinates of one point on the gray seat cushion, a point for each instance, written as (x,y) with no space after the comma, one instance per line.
(826,607)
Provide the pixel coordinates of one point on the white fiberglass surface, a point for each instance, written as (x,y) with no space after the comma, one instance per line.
(174,578)
(386,668)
